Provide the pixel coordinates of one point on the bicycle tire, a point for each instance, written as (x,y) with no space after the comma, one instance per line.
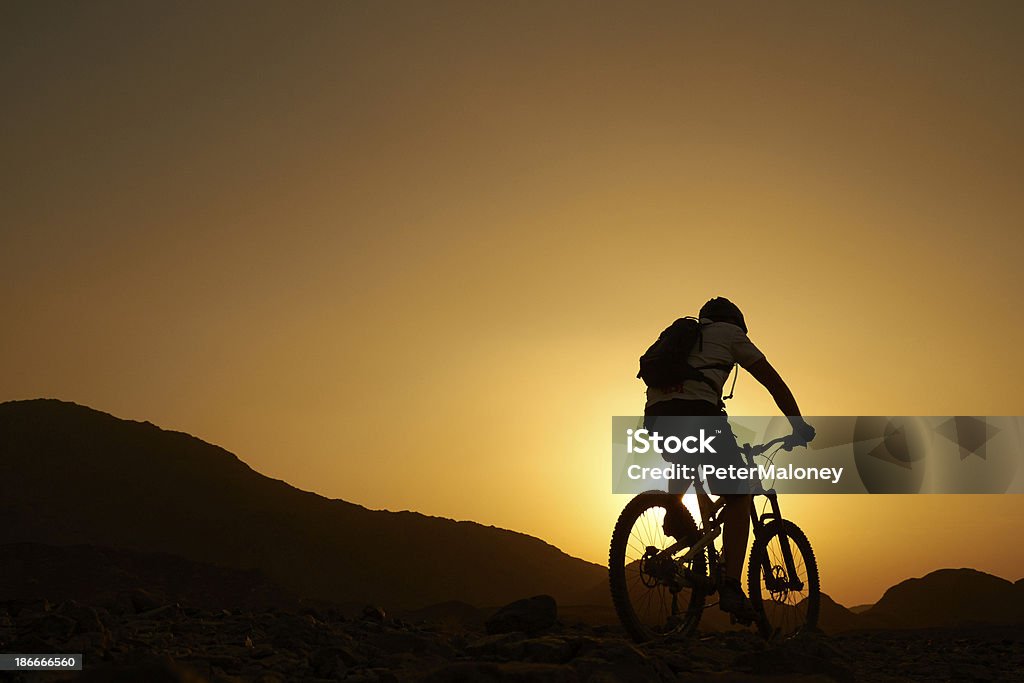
(788,614)
(622,571)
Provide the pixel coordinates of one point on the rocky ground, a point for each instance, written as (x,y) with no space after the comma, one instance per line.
(136,639)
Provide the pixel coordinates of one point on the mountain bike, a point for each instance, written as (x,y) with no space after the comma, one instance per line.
(660,585)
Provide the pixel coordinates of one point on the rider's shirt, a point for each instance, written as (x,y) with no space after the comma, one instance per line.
(724,344)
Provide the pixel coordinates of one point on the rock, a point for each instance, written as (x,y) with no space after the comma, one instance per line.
(548,650)
(592,670)
(261,651)
(615,661)
(797,656)
(501,645)
(330,662)
(374,613)
(294,632)
(611,648)
(392,640)
(30,611)
(90,634)
(87,619)
(967,671)
(269,677)
(53,628)
(163,611)
(157,670)
(143,601)
(88,643)
(530,615)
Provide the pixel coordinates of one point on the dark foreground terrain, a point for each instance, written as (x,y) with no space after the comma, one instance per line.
(136,639)
(164,558)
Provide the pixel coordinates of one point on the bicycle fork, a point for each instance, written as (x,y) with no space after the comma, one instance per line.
(774,583)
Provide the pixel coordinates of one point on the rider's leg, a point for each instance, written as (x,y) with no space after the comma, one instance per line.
(736,517)
(677,522)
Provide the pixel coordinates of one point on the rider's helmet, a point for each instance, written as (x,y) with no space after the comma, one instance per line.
(722,310)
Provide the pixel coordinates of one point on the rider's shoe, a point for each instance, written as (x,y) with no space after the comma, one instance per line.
(733,600)
(676,526)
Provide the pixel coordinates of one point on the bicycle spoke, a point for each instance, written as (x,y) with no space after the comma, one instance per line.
(642,586)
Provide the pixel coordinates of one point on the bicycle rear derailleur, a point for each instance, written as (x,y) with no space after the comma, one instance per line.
(660,569)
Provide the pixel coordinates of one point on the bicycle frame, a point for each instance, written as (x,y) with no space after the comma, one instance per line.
(711,526)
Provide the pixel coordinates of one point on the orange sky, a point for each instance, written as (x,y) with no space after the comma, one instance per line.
(407,254)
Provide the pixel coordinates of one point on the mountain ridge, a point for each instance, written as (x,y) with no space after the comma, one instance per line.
(71,474)
(947,597)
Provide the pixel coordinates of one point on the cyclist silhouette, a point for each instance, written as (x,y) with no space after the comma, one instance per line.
(724,343)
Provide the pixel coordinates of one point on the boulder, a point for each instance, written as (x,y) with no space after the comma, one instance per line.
(530,615)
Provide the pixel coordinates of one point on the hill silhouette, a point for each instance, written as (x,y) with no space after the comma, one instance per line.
(834,618)
(71,475)
(947,597)
(118,578)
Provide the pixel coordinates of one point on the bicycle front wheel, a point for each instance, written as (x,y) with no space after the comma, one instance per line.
(654,596)
(782,580)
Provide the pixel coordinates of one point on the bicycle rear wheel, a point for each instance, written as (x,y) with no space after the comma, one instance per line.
(654,597)
(789,601)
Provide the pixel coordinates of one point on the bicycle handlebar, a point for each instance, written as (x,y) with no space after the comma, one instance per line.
(753,451)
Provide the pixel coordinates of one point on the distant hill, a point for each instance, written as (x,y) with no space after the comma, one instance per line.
(948,597)
(72,475)
(833,617)
(116,576)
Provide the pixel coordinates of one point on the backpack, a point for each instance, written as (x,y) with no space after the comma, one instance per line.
(664,364)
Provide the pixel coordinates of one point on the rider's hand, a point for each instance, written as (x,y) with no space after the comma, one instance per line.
(802,435)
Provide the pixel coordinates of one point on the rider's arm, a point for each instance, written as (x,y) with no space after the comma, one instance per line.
(764,373)
(769,377)
(751,358)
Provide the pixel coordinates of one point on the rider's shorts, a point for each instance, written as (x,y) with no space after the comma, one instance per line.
(683,418)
